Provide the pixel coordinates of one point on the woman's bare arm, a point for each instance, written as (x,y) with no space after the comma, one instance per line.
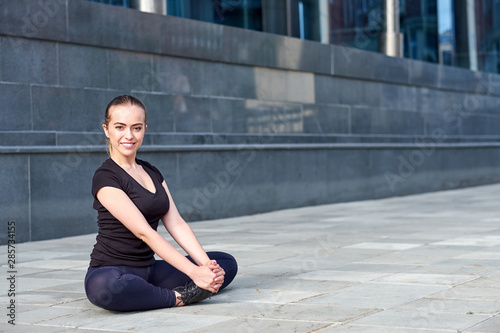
(182,233)
(122,208)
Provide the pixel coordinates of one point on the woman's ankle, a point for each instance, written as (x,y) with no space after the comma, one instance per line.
(178,299)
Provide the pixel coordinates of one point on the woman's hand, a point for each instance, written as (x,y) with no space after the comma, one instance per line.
(210,276)
(205,278)
(219,273)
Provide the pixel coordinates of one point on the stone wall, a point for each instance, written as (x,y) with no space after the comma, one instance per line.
(239,122)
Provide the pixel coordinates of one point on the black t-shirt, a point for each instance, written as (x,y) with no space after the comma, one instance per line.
(116,245)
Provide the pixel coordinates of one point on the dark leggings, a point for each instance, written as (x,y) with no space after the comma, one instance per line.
(123,288)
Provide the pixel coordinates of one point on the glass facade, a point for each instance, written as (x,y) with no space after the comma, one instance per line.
(488,35)
(121,3)
(463,33)
(245,14)
(419,25)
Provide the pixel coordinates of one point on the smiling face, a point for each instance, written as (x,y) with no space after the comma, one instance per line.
(125,129)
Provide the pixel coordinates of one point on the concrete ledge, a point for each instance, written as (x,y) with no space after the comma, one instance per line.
(232,147)
(68,138)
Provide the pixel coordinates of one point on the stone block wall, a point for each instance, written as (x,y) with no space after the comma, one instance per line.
(239,122)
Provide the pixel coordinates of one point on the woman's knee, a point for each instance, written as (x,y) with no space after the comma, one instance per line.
(227,261)
(104,286)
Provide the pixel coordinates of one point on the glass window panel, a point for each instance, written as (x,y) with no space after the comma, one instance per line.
(446,32)
(275,16)
(245,14)
(121,3)
(419,25)
(305,19)
(488,35)
(356,23)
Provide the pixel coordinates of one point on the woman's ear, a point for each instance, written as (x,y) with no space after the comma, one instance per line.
(105,128)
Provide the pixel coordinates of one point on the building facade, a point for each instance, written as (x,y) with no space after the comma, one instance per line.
(463,33)
(240,121)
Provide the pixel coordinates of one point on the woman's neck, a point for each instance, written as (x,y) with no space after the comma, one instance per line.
(126,162)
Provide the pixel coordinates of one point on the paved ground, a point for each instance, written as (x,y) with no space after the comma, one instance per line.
(423,263)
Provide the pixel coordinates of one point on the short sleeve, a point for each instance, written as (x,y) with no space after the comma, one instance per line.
(103,178)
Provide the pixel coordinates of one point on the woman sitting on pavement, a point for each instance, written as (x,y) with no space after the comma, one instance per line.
(131,196)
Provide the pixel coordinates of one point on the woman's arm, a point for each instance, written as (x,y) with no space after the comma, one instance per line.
(182,233)
(123,209)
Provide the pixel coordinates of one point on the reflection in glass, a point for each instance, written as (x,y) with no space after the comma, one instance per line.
(488,35)
(304,17)
(275,19)
(446,32)
(245,14)
(419,24)
(356,23)
(121,3)
(273,117)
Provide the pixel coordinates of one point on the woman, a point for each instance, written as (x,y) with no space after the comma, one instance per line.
(131,196)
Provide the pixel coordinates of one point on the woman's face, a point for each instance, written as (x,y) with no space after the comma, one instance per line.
(126,129)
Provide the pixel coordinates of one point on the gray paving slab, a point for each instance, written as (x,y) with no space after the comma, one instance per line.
(458,306)
(378,329)
(490,325)
(421,263)
(422,320)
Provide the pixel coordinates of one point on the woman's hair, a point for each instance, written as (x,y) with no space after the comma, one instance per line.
(121,100)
